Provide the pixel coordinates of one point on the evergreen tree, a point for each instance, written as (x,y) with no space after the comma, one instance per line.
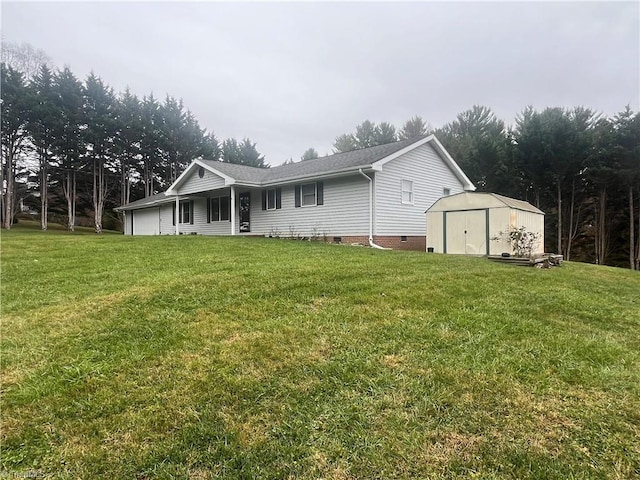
(413,128)
(69,146)
(126,148)
(309,154)
(385,133)
(344,143)
(365,135)
(43,119)
(15,117)
(150,140)
(99,134)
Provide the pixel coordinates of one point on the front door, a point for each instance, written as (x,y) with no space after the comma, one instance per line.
(245,208)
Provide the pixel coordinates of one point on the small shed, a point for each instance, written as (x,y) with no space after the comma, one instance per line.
(465,223)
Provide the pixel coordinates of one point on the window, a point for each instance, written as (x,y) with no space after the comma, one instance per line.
(446,192)
(219,209)
(407,192)
(271,199)
(186,213)
(309,194)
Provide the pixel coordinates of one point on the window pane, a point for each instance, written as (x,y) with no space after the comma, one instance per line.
(215,209)
(309,194)
(407,191)
(185,213)
(271,199)
(224,208)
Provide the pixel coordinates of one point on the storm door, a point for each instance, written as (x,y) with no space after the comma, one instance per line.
(245,208)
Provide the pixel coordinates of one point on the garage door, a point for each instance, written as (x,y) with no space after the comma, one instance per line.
(146,222)
(466,232)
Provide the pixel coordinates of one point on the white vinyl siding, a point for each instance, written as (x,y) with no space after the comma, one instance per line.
(345,211)
(195,184)
(424,167)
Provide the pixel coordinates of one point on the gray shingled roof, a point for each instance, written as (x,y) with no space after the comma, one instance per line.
(318,166)
(156,199)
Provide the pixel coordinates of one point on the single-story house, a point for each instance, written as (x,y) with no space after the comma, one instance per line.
(476,223)
(374,195)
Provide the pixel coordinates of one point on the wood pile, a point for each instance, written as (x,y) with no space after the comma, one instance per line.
(546,260)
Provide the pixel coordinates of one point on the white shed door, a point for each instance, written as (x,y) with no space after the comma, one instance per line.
(146,222)
(466,232)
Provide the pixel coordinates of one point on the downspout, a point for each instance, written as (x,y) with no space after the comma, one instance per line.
(371,244)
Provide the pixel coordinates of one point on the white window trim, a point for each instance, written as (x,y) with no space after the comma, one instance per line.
(275,198)
(403,191)
(315,195)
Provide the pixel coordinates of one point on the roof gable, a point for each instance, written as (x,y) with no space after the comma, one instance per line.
(371,158)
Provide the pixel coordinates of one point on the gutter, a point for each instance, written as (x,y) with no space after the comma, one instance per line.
(371,244)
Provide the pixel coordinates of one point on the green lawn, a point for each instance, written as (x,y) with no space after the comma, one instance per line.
(196,357)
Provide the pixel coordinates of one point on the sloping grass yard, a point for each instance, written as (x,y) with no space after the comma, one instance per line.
(196,357)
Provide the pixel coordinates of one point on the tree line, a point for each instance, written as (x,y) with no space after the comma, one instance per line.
(83,149)
(581,168)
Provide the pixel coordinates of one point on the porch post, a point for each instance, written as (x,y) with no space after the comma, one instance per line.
(177,215)
(233,210)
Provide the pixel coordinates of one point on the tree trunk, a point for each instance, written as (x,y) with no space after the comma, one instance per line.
(559,217)
(572,230)
(99,190)
(10,188)
(601,232)
(44,190)
(632,234)
(69,190)
(638,240)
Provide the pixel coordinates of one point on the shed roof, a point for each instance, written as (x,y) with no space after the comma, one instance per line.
(477,200)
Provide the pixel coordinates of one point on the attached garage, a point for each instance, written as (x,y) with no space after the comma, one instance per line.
(467,222)
(145,221)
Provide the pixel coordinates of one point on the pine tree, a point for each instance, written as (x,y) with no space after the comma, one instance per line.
(413,128)
(309,154)
(15,117)
(99,137)
(69,145)
(42,122)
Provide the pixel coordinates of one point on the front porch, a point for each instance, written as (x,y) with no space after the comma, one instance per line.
(220,211)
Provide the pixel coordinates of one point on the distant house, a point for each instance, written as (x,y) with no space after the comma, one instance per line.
(375,195)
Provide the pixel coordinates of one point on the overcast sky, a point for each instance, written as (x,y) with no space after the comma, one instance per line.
(295,75)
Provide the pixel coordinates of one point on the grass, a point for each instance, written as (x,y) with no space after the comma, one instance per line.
(195,357)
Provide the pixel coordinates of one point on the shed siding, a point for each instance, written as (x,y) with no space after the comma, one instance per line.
(499,221)
(195,184)
(430,176)
(345,211)
(434,231)
(534,223)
